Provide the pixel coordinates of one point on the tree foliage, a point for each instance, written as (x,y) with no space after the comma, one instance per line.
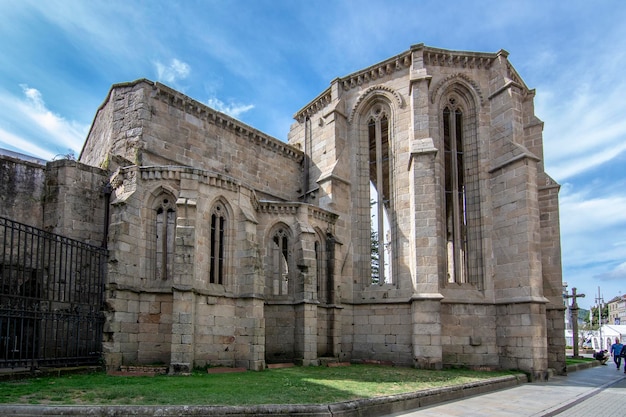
(594,315)
(374,257)
(374,251)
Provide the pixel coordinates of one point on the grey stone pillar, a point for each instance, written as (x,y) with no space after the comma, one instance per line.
(182,350)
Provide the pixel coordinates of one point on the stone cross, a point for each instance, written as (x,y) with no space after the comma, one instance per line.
(574,309)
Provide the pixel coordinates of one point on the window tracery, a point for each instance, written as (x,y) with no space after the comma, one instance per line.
(217,244)
(461,194)
(279,258)
(378,133)
(164,237)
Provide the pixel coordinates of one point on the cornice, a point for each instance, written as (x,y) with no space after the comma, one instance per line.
(369,74)
(401,62)
(380,70)
(458,59)
(176,173)
(515,77)
(314,106)
(323,215)
(292,208)
(278,207)
(190,106)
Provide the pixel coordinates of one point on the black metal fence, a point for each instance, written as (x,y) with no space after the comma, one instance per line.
(51,298)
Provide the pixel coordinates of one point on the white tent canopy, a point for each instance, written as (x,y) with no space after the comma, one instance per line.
(605,336)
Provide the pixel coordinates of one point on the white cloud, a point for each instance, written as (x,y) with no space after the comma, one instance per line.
(29,126)
(43,133)
(583,114)
(24,146)
(232,109)
(172,73)
(585,162)
(59,130)
(584,213)
(616,274)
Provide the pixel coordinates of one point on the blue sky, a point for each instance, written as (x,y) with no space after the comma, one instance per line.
(262,60)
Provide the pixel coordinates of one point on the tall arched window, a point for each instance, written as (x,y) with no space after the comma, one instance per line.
(461,196)
(380,194)
(279,258)
(321,284)
(164,236)
(217,244)
(456,220)
(322,257)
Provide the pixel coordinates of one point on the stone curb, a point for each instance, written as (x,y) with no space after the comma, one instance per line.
(358,408)
(580,366)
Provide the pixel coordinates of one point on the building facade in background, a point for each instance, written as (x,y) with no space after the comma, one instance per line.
(617,310)
(229,247)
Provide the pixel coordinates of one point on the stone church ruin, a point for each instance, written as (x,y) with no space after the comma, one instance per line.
(228,247)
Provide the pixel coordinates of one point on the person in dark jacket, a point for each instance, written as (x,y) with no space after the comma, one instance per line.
(602,356)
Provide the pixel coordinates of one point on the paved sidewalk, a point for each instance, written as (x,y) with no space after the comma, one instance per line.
(597,392)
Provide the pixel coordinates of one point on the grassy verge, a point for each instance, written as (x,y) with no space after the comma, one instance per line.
(572,361)
(298,385)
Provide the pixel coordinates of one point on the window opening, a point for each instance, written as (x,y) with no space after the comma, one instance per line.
(321,284)
(456,219)
(462,198)
(165,232)
(280,263)
(218,226)
(380,197)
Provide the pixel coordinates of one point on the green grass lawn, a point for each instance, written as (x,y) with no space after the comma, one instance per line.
(572,361)
(298,385)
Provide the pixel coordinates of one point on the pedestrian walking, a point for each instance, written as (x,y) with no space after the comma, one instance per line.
(616,352)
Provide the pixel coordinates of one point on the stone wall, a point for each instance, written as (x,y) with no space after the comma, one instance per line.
(163,152)
(379,331)
(280,325)
(145,123)
(522,337)
(62,197)
(138,328)
(22,189)
(519,244)
(469,336)
(75,204)
(551,269)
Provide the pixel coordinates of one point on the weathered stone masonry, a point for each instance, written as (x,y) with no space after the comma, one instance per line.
(229,247)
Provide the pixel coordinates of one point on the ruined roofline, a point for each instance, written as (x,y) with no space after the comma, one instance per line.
(22,157)
(105,102)
(202,111)
(403,61)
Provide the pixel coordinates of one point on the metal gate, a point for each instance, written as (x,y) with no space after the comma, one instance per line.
(51,298)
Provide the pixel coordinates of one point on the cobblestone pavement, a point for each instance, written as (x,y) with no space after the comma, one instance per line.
(608,402)
(596,392)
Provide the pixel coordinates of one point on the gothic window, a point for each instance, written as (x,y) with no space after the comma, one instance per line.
(461,197)
(380,195)
(321,285)
(217,244)
(323,278)
(279,258)
(165,228)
